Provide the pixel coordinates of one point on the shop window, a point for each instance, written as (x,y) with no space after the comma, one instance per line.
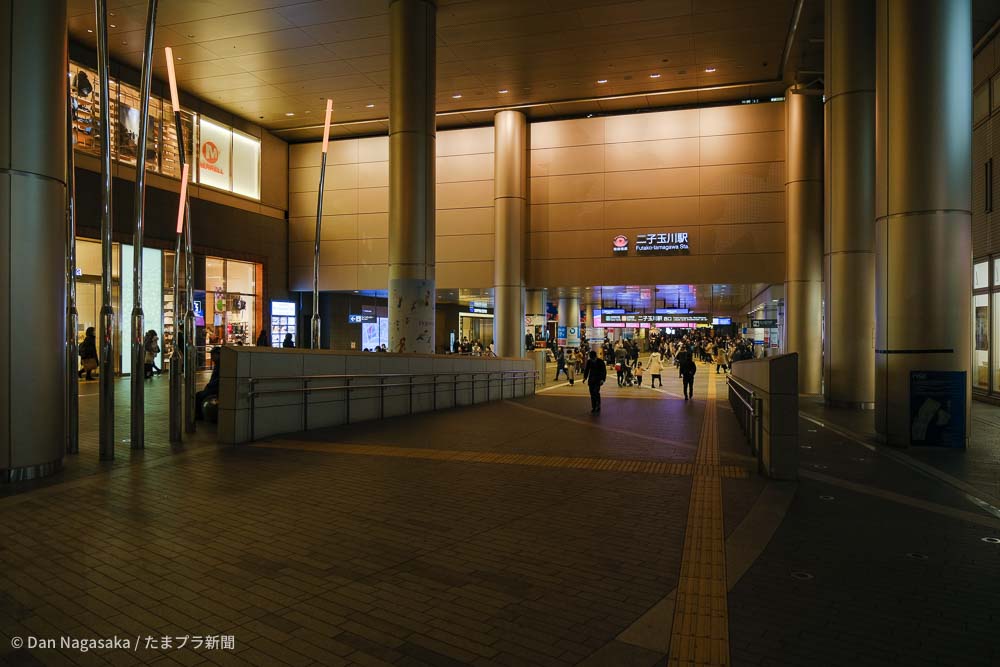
(980,275)
(981,341)
(996,350)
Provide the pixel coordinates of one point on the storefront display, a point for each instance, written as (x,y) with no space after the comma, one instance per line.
(283,322)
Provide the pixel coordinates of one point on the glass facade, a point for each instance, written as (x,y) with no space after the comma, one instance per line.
(225,159)
(985,356)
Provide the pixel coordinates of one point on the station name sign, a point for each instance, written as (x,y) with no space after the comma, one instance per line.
(653,244)
(763,324)
(654,318)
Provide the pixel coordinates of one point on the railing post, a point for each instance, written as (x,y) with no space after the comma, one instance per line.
(434,390)
(305,404)
(381,397)
(473,375)
(758,408)
(454,386)
(347,401)
(410,389)
(253,401)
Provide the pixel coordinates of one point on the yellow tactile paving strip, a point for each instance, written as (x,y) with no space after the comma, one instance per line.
(539,460)
(700,631)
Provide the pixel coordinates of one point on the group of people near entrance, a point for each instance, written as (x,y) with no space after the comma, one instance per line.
(679,351)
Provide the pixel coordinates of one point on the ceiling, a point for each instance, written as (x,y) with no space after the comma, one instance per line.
(264,59)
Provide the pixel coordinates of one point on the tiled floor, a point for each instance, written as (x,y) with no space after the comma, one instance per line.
(517,533)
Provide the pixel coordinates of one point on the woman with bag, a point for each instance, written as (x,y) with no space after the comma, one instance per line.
(88,354)
(150,349)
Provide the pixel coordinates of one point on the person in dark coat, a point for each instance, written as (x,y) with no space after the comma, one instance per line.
(595,372)
(288,342)
(561,364)
(212,388)
(688,369)
(88,354)
(264,339)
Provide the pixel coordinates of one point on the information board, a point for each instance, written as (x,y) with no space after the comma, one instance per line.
(937,408)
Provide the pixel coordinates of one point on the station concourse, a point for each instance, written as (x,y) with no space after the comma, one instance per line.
(307,306)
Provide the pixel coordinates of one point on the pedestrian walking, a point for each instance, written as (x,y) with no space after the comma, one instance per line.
(595,373)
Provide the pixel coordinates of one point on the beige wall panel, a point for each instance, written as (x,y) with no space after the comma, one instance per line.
(575,188)
(300,278)
(764,237)
(651,213)
(373,276)
(732,209)
(373,251)
(735,148)
(567,160)
(716,239)
(373,200)
(578,132)
(679,182)
(652,126)
(301,204)
(470,248)
(303,179)
(737,178)
(465,142)
(301,229)
(339,177)
(463,274)
(661,154)
(567,217)
(456,168)
(742,118)
(274,179)
(469,194)
(337,228)
(341,202)
(338,252)
(337,277)
(461,221)
(300,253)
(373,225)
(373,175)
(342,151)
(372,149)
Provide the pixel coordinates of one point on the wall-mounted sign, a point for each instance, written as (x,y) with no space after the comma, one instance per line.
(721,321)
(654,318)
(361,318)
(673,311)
(764,324)
(283,308)
(619,245)
(479,310)
(670,243)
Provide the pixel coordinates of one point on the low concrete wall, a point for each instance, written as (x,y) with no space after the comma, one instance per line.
(275,414)
(775,380)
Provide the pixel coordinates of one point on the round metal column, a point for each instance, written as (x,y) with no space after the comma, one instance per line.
(569,316)
(411,175)
(849,198)
(510,216)
(32,238)
(923,238)
(804,235)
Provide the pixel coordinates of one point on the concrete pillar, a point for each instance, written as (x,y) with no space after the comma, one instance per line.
(510,216)
(411,175)
(923,240)
(804,234)
(33,74)
(569,317)
(849,198)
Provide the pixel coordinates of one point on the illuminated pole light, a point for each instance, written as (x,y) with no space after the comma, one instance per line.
(314,333)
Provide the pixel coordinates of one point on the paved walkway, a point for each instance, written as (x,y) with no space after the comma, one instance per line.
(523,532)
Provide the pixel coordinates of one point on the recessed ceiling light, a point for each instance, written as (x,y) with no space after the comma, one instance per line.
(655,75)
(113,26)
(124,43)
(602,81)
(289,113)
(89,30)
(503,91)
(369,106)
(190,36)
(709,69)
(179,58)
(456,96)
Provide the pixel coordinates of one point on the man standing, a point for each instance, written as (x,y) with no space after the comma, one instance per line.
(595,372)
(688,369)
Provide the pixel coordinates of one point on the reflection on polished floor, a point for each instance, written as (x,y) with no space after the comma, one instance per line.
(523,532)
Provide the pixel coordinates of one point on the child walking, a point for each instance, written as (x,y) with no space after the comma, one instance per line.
(638,374)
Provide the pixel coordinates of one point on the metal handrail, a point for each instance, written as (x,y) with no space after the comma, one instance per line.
(752,419)
(381,385)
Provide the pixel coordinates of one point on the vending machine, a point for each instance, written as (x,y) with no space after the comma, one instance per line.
(283,322)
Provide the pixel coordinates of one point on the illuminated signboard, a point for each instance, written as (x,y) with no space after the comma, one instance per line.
(619,245)
(670,243)
(283,308)
(722,321)
(654,318)
(673,311)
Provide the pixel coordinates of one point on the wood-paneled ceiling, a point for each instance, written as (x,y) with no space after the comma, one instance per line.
(263,60)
